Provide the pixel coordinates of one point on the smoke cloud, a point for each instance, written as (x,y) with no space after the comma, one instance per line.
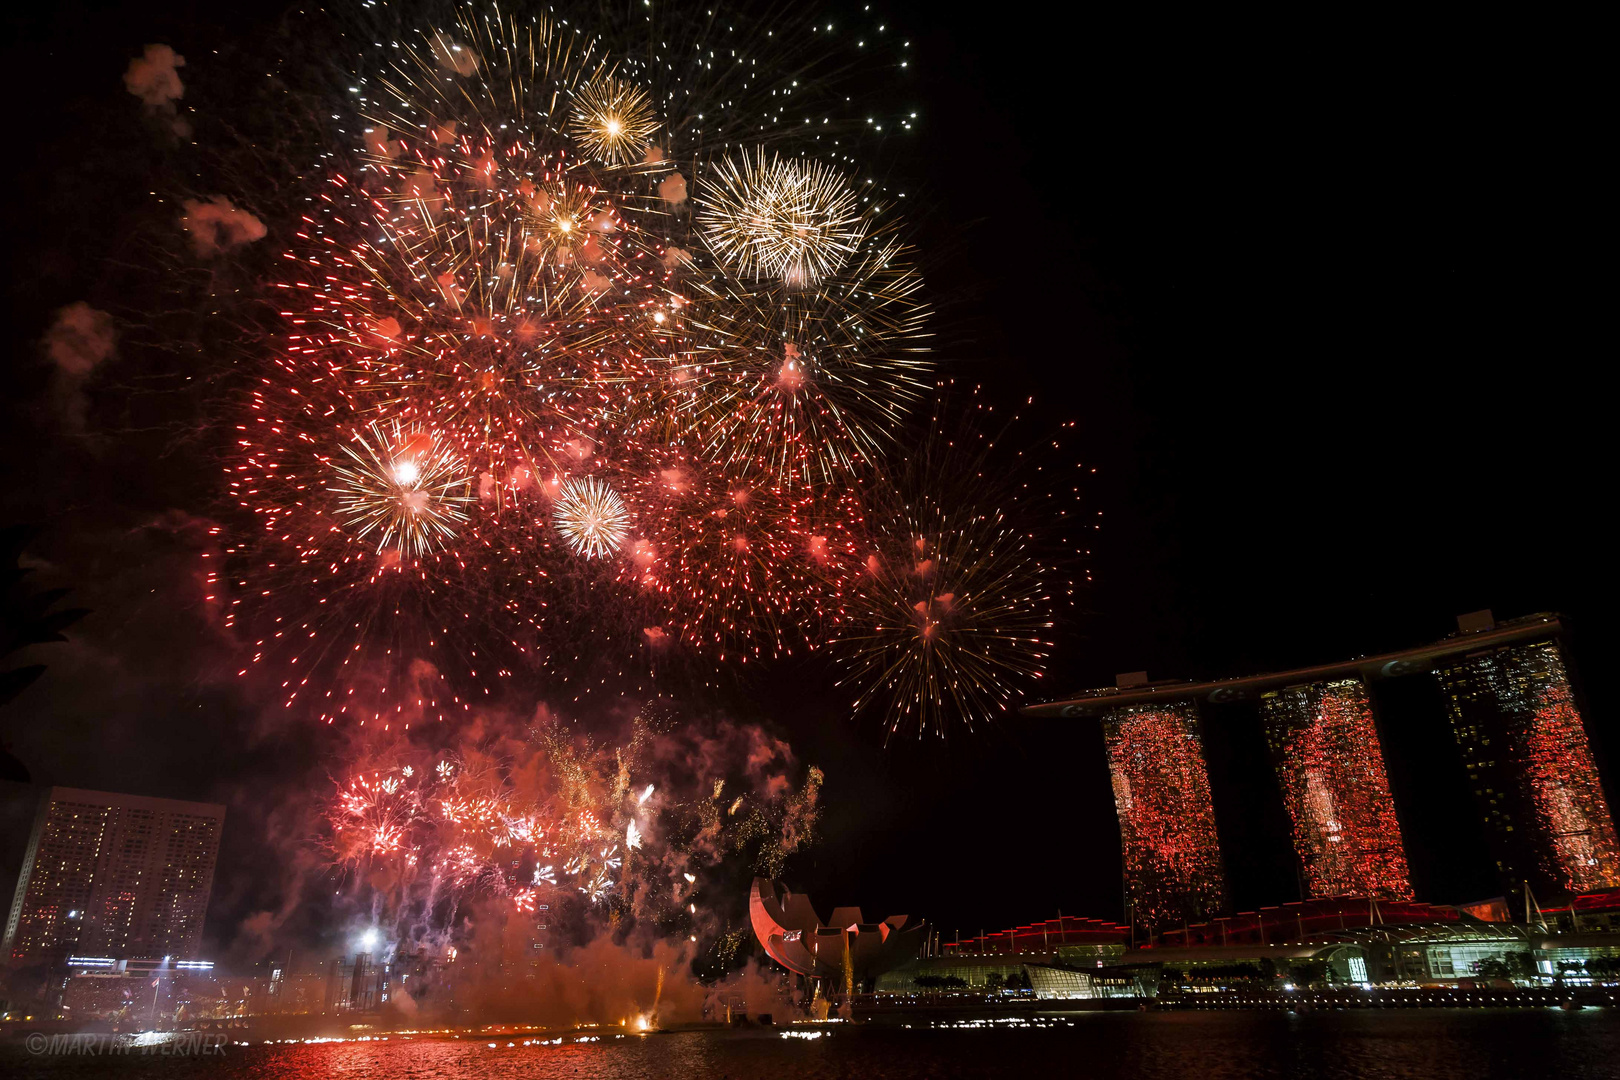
(672,189)
(155,78)
(80,338)
(625,846)
(219,225)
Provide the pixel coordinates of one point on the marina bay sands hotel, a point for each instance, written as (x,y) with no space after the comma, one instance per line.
(1507,694)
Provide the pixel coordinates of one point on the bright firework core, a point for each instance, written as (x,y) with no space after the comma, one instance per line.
(403,485)
(592,516)
(613,120)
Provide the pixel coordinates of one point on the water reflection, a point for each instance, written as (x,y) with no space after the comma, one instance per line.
(1330,1045)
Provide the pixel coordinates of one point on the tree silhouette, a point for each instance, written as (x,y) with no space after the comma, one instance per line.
(26,618)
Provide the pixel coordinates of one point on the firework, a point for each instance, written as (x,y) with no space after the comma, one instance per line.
(613,120)
(797,221)
(336,620)
(533,410)
(811,385)
(374,817)
(497,316)
(952,619)
(404,486)
(549,818)
(744,566)
(592,516)
(949,619)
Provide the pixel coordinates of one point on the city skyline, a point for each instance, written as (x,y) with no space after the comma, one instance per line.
(99,862)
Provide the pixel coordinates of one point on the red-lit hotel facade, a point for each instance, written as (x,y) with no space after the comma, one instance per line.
(1510,705)
(1171,856)
(1330,764)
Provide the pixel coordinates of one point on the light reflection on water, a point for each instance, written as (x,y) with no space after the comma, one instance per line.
(1360,1044)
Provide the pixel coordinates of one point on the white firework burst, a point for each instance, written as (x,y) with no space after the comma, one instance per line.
(784,218)
(403,485)
(591,516)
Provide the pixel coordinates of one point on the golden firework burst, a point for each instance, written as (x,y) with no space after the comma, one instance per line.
(613,120)
(950,622)
(560,219)
(807,382)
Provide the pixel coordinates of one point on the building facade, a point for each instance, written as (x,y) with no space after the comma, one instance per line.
(1330,765)
(1531,768)
(1171,855)
(1509,703)
(114,877)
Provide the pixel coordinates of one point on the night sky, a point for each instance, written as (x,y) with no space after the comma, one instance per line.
(1321,299)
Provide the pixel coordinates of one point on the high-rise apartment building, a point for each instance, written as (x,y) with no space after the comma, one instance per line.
(115,876)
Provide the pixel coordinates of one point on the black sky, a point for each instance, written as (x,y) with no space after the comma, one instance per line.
(1324,299)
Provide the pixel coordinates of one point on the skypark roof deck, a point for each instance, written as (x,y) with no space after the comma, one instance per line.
(1368,668)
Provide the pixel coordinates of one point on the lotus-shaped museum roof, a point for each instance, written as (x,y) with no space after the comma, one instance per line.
(795,937)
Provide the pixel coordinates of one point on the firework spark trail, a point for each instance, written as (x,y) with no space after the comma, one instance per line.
(952,620)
